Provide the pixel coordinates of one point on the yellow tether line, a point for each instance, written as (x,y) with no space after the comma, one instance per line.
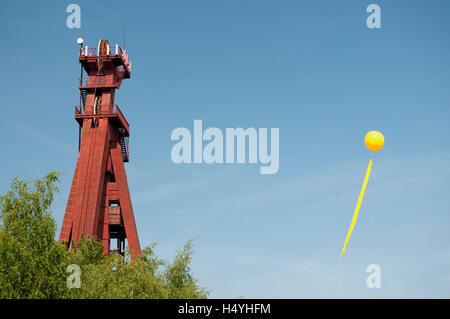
(358,205)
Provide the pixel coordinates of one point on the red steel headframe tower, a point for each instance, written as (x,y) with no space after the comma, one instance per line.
(99,202)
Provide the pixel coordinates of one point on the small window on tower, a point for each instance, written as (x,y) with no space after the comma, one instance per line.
(111,177)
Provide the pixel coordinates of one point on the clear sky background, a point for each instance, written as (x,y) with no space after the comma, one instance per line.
(311,68)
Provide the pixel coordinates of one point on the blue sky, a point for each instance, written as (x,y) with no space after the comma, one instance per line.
(310,68)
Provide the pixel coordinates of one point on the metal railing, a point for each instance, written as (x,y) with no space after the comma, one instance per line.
(114,50)
(100,80)
(111,51)
(102,109)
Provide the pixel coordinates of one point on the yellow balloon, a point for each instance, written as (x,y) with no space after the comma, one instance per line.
(374,141)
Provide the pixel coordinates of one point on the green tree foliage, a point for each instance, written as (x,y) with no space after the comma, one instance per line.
(33,264)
